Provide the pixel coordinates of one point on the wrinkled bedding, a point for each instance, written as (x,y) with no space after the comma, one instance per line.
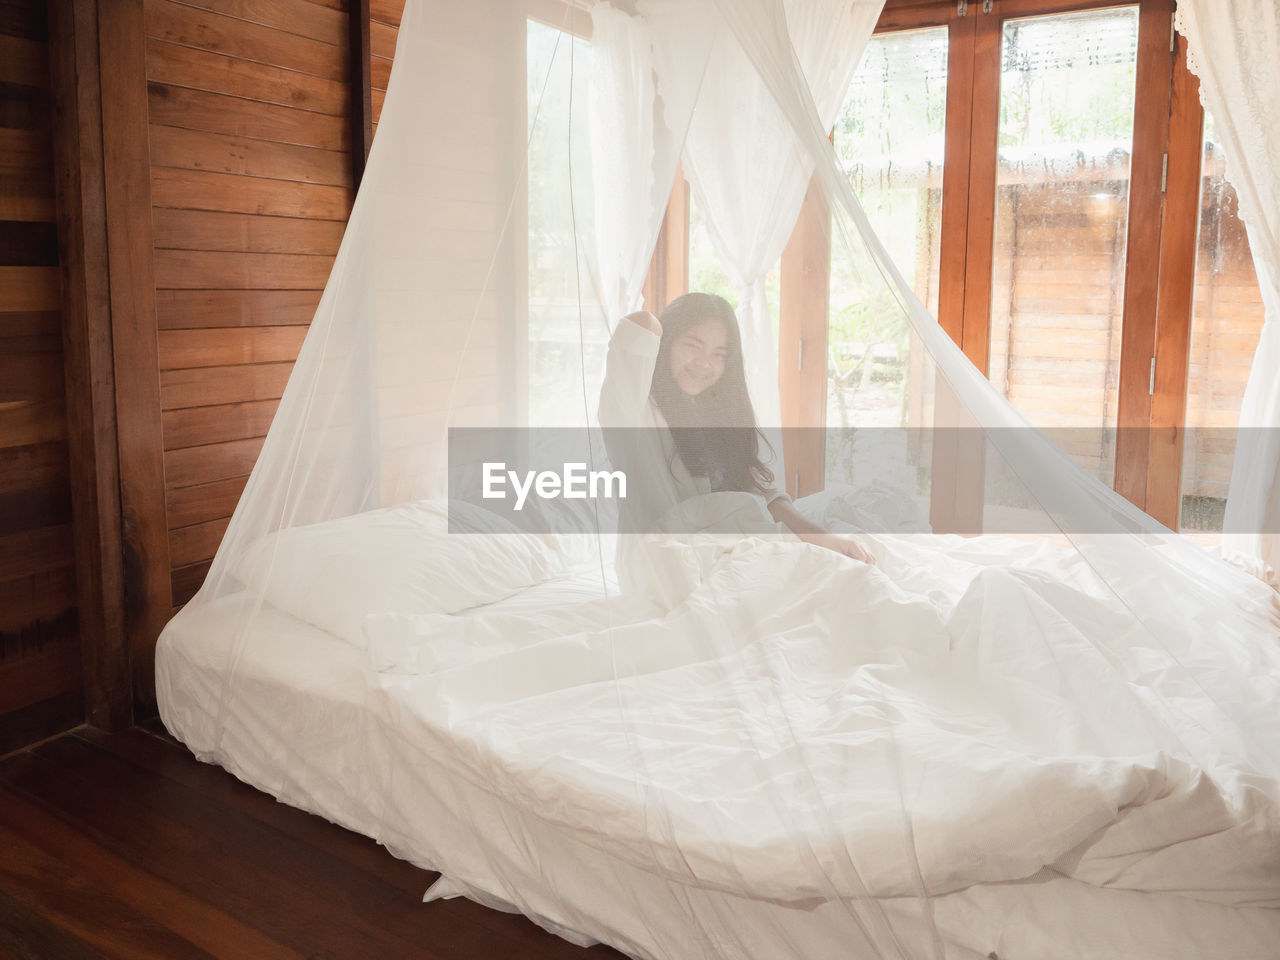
(783,726)
(925,730)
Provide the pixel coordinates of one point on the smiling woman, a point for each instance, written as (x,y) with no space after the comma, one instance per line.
(675,410)
(679,384)
(682,378)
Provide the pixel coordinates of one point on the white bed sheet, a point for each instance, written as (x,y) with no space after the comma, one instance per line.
(761,736)
(307,720)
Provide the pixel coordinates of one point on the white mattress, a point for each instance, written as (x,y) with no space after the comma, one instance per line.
(308,720)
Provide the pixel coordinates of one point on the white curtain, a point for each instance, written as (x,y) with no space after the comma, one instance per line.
(621,104)
(1235,51)
(636,130)
(749,172)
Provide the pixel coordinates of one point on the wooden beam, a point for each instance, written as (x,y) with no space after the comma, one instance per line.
(955,177)
(1142,248)
(1176,294)
(358,39)
(668,275)
(980,215)
(88,362)
(802,345)
(127,190)
(964,270)
(915,14)
(676,227)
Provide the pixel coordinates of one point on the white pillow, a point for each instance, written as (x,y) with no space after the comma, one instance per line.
(400,559)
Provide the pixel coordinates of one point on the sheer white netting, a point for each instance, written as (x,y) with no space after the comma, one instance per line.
(1232,48)
(1040,725)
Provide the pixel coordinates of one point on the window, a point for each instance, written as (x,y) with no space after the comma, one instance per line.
(1067,89)
(1035,171)
(890,140)
(554,271)
(1070,197)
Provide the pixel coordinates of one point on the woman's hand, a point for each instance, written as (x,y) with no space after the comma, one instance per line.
(645,319)
(840,544)
(785,512)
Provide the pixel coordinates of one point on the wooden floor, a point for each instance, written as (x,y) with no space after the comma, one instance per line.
(123,845)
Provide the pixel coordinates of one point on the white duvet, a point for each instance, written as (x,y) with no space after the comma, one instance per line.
(801,726)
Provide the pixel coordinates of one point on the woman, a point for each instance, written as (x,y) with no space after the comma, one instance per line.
(679,421)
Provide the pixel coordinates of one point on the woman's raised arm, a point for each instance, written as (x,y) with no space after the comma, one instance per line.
(633,351)
(645,319)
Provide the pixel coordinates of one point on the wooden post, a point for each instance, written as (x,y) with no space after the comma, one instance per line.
(127,192)
(1176,295)
(965,269)
(361,88)
(88,362)
(802,345)
(668,275)
(980,212)
(955,177)
(1141,283)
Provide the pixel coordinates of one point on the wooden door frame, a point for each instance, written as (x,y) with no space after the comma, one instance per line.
(1143,248)
(803,328)
(1175,297)
(668,275)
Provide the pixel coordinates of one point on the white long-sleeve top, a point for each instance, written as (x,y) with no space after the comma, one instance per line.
(657,480)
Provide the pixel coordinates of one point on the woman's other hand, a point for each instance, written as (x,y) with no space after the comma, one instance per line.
(840,544)
(645,319)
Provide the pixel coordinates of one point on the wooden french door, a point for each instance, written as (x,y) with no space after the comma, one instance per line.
(1063,270)
(1131,199)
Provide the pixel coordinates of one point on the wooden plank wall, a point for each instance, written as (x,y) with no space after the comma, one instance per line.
(467,142)
(251,187)
(40,679)
(237,117)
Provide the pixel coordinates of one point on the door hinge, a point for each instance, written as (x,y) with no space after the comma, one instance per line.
(800,356)
(1164,174)
(962,7)
(1173,35)
(1151,384)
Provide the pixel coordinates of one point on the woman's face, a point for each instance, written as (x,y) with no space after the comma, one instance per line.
(698,356)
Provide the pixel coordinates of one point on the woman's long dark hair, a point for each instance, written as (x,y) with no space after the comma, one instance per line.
(715,432)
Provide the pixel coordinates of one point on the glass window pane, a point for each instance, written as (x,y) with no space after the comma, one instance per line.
(890,139)
(1226,322)
(1062,196)
(554,339)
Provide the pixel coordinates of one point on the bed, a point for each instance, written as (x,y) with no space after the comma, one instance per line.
(504,759)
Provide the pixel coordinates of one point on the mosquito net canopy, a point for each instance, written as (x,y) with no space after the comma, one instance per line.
(516,586)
